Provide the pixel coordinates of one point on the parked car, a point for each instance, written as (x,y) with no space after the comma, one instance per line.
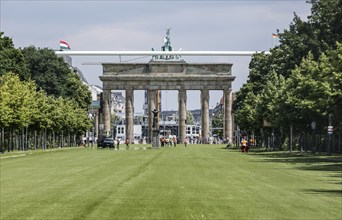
(106,142)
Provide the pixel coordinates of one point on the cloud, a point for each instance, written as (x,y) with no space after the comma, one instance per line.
(140,25)
(111,37)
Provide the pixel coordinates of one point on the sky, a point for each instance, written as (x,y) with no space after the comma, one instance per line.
(223,25)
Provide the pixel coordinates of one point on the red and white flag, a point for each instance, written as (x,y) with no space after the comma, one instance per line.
(64,45)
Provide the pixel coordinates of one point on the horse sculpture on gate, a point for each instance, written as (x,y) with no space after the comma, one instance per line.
(167,41)
(167,47)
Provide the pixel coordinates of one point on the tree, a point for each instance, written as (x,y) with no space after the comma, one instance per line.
(217,122)
(48,71)
(271,98)
(12,59)
(189,118)
(43,94)
(300,80)
(17,103)
(326,19)
(76,90)
(6,112)
(247,114)
(17,108)
(45,106)
(316,88)
(55,77)
(21,106)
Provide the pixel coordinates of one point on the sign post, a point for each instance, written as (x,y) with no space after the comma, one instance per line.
(330,132)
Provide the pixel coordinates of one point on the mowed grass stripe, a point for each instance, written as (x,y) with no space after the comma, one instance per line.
(64,184)
(201,181)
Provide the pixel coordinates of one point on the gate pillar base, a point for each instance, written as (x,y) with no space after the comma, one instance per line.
(155,138)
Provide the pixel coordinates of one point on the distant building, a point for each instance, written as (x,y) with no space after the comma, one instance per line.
(67,59)
(145,106)
(118,104)
(95,92)
(80,74)
(218,108)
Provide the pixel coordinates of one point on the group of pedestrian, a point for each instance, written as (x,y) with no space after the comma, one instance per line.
(168,141)
(118,144)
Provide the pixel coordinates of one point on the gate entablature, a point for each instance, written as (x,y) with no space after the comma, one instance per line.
(167,75)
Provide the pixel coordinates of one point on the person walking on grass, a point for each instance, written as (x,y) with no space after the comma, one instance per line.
(118,144)
(127,144)
(167,140)
(185,142)
(244,145)
(174,140)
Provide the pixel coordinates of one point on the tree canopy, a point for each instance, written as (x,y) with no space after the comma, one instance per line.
(12,59)
(300,81)
(22,106)
(39,91)
(54,76)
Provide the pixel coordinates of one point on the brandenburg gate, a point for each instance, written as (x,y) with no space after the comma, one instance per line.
(167,71)
(169,75)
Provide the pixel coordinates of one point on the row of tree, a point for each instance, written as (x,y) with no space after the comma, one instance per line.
(300,81)
(42,98)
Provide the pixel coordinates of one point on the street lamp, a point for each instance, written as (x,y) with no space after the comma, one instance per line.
(211,124)
(91,116)
(90,111)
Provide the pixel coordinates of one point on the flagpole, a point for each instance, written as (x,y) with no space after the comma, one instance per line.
(277,37)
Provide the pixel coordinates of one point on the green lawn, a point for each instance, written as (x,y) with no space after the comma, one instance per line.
(198,182)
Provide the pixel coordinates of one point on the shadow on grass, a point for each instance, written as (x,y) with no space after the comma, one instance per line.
(323,191)
(308,160)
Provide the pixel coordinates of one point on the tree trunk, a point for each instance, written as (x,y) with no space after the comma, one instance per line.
(2,142)
(35,140)
(53,139)
(45,137)
(17,142)
(302,142)
(273,141)
(75,145)
(62,140)
(22,146)
(40,140)
(9,147)
(26,139)
(291,137)
(9,140)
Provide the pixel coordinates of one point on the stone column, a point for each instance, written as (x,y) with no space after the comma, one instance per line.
(106,111)
(151,94)
(129,114)
(227,117)
(205,115)
(182,115)
(97,125)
